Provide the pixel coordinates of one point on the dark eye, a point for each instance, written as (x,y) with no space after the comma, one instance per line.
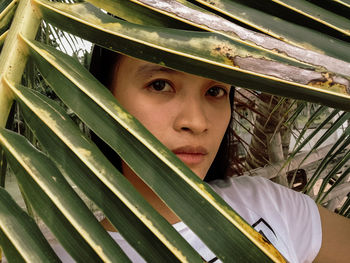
(216,92)
(161,85)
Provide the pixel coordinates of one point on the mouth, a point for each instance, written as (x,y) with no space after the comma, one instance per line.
(191,155)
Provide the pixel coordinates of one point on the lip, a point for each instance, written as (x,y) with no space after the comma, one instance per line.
(191,155)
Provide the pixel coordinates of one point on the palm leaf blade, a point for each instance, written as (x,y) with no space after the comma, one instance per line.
(25,239)
(218,54)
(6,16)
(282,29)
(125,221)
(144,165)
(44,207)
(177,54)
(59,191)
(2,39)
(343,2)
(339,146)
(318,14)
(97,163)
(137,14)
(193,16)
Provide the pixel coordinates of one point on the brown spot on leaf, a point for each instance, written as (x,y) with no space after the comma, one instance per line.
(225,51)
(210,2)
(216,3)
(279,51)
(327,83)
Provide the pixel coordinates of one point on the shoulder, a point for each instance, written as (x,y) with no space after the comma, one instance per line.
(292,217)
(260,191)
(266,198)
(251,190)
(244,183)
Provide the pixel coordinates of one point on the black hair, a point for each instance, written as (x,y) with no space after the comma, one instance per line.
(102,66)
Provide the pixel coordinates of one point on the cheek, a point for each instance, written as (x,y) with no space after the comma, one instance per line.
(154,119)
(220,121)
(153,116)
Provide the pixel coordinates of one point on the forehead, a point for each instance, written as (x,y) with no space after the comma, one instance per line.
(140,68)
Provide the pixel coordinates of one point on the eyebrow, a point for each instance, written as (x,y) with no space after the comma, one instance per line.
(149,69)
(146,69)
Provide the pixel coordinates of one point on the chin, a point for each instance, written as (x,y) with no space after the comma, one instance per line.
(199,170)
(200,174)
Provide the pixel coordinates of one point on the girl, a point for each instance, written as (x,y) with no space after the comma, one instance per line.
(191,115)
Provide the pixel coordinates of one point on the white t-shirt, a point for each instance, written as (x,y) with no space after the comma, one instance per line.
(289,220)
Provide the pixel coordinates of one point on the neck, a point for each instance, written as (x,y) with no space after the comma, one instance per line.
(148,194)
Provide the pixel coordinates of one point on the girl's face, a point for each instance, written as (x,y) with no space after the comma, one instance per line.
(187,113)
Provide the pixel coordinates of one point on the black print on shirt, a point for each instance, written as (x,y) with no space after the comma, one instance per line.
(265,230)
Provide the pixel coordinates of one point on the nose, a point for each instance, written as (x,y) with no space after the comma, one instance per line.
(191,117)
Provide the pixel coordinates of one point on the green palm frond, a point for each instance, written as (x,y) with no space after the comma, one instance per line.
(318,14)
(202,38)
